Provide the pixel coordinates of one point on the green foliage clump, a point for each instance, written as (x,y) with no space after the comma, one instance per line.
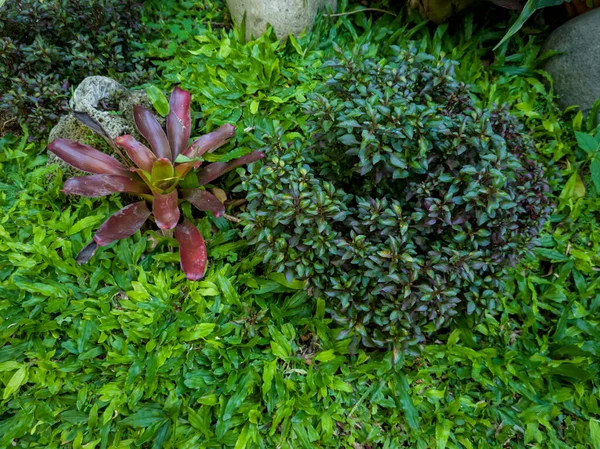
(48,47)
(410,204)
(125,353)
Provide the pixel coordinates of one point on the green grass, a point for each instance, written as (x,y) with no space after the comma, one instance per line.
(124,353)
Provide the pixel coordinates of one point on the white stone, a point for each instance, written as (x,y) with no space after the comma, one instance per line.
(88,97)
(286,16)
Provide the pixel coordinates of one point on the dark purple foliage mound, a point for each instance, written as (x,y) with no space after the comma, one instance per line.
(410,204)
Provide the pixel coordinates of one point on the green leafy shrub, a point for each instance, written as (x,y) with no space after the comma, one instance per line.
(410,203)
(46,47)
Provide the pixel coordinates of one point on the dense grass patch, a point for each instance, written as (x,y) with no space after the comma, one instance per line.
(126,353)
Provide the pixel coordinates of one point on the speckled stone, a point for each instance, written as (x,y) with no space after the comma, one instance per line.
(576,72)
(87,98)
(286,16)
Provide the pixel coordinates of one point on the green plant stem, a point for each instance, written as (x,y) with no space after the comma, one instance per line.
(340,14)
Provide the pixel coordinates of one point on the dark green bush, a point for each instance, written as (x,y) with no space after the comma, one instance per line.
(47,47)
(408,206)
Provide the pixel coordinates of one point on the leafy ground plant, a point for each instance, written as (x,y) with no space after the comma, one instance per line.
(163,176)
(125,353)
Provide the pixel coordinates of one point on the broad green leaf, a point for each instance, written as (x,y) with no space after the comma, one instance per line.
(158,100)
(228,291)
(574,189)
(296,45)
(327,425)
(197,422)
(10,366)
(442,432)
(143,418)
(551,255)
(234,154)
(595,433)
(85,223)
(410,412)
(243,438)
(210,399)
(579,188)
(578,121)
(198,331)
(325,356)
(592,120)
(269,371)
(279,350)
(530,7)
(587,143)
(280,279)
(595,172)
(340,385)
(302,435)
(15,382)
(236,400)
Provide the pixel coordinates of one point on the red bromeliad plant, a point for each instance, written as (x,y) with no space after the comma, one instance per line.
(164,175)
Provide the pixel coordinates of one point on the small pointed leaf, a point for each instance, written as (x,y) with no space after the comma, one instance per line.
(192,250)
(122,224)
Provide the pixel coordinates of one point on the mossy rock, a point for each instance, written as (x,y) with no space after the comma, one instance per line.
(109,103)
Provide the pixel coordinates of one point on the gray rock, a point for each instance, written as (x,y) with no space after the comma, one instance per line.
(89,97)
(286,16)
(576,73)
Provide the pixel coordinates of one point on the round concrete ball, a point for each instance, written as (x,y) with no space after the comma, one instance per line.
(576,69)
(286,16)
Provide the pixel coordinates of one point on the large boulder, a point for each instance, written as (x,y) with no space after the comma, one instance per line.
(286,16)
(576,71)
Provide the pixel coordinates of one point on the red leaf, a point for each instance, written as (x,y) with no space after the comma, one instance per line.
(102,185)
(203,201)
(210,142)
(149,127)
(166,210)
(216,169)
(139,153)
(86,158)
(122,224)
(192,250)
(179,120)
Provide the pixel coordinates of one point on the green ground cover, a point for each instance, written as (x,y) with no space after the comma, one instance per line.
(124,352)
